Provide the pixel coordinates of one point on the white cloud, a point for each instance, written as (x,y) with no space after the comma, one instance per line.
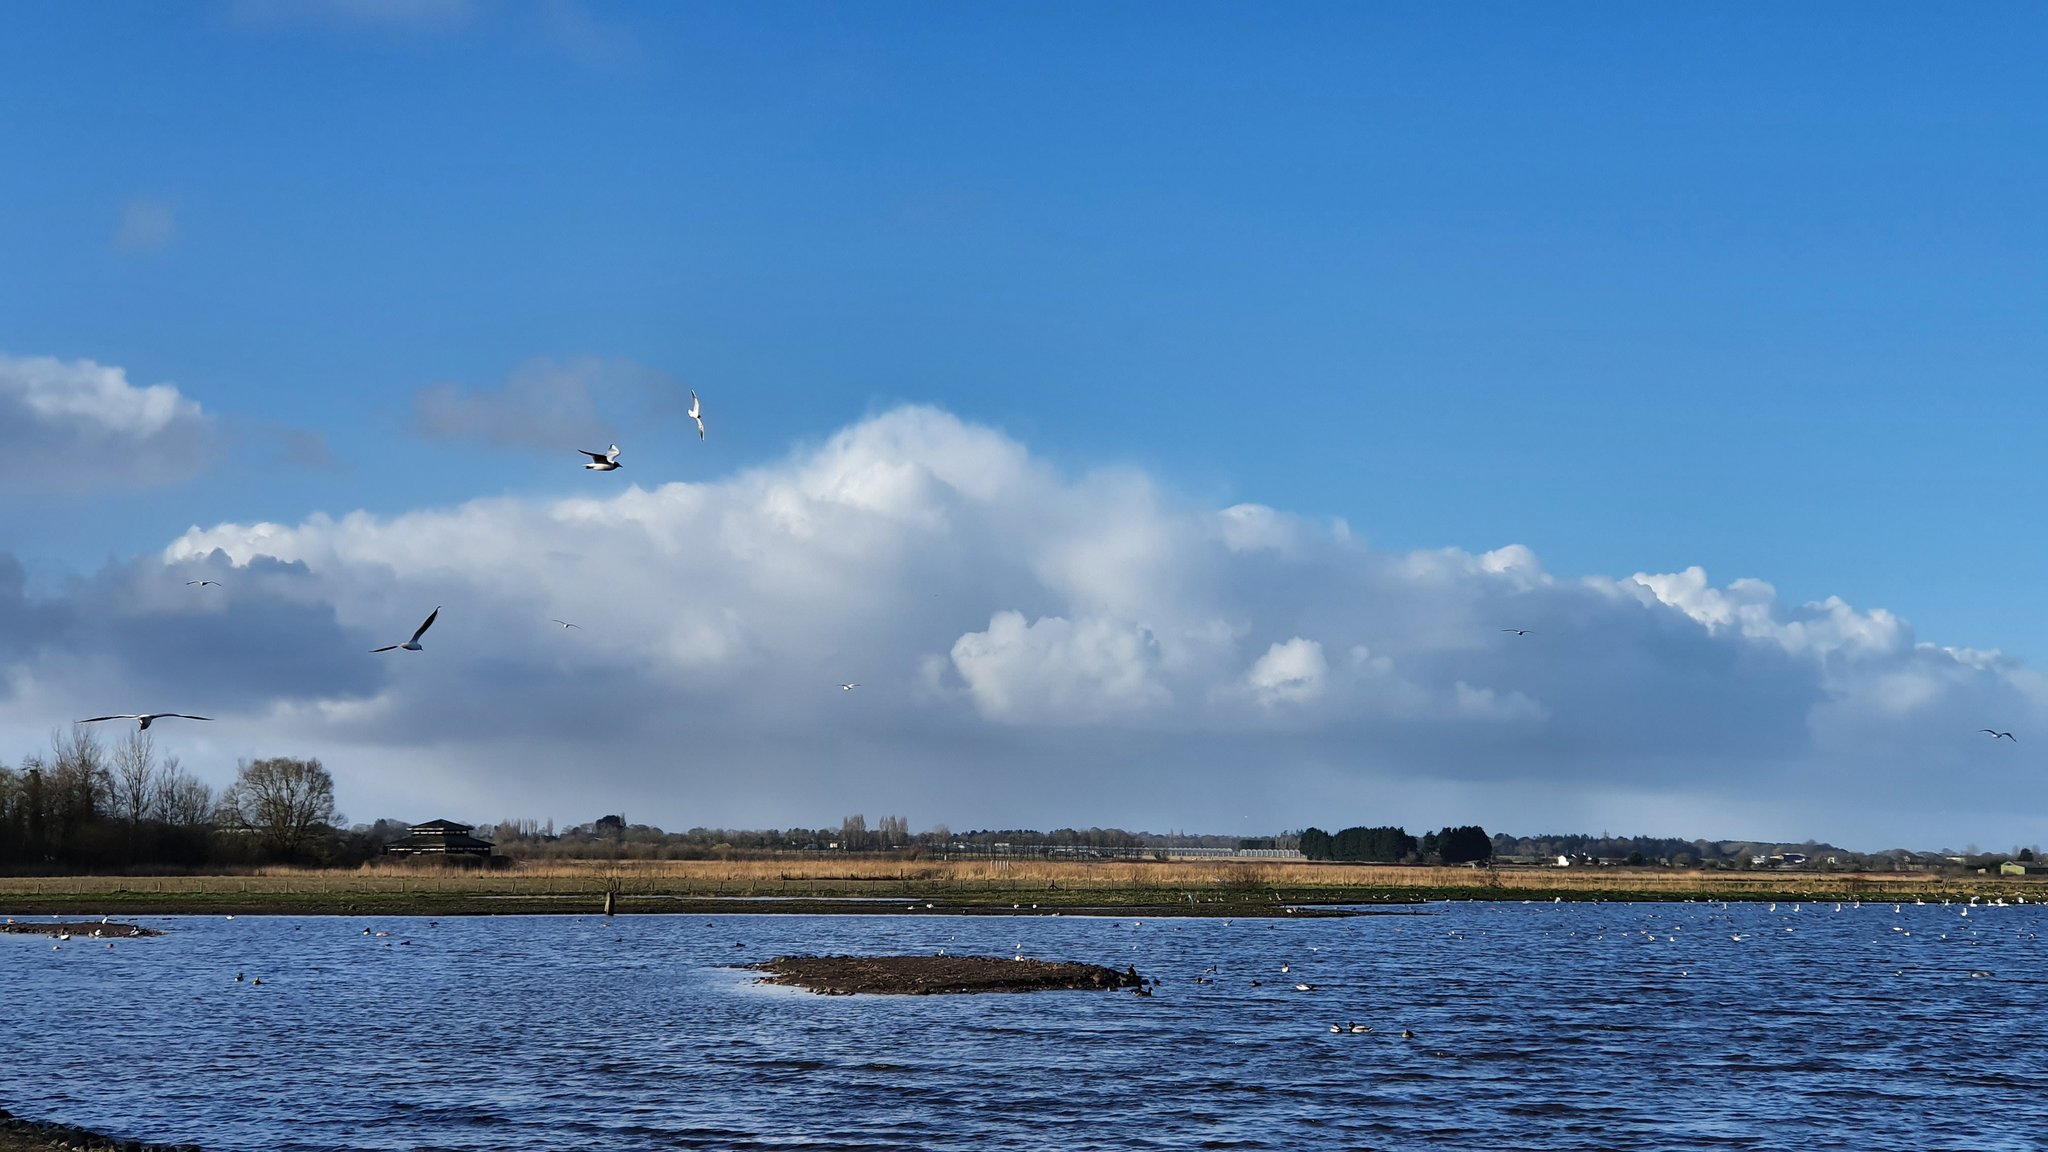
(1057,671)
(1032,648)
(1288,672)
(74,424)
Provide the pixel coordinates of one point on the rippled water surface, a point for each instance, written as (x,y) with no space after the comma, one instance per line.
(1535,1026)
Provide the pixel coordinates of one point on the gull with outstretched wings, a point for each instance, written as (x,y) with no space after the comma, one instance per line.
(1995,734)
(602,461)
(413,645)
(142,719)
(697,413)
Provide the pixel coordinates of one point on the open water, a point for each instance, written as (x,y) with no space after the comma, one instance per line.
(1536,1026)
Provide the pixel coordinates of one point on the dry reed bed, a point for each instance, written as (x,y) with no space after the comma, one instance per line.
(856,876)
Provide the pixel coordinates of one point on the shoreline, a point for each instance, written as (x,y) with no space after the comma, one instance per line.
(1224,890)
(20,1134)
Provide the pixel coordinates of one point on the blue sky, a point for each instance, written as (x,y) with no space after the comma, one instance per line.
(1639,288)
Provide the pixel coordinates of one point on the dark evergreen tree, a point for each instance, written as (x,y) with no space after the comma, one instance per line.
(1464,845)
(1315,844)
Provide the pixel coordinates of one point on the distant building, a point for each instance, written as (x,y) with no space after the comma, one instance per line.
(440,838)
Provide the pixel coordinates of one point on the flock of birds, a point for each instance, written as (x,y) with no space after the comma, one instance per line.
(606,461)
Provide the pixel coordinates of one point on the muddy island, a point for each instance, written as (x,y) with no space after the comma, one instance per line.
(89,928)
(930,975)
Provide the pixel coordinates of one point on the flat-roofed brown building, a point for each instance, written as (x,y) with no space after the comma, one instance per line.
(440,838)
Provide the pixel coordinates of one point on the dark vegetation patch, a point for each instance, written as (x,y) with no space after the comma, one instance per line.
(927,975)
(88,929)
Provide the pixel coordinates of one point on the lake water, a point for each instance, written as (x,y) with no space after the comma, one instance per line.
(1538,1026)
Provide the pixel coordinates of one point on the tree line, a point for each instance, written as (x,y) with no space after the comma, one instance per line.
(1389,844)
(88,805)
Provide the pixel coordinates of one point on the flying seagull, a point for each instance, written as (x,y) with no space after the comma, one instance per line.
(143,718)
(1997,735)
(566,624)
(697,413)
(849,687)
(202,583)
(1517,631)
(602,461)
(413,645)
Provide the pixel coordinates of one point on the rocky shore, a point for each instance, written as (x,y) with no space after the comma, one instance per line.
(929,975)
(19,1135)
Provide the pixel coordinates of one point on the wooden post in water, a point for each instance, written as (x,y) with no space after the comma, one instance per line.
(608,905)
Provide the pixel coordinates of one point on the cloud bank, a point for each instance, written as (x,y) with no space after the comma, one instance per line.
(1034,648)
(75,425)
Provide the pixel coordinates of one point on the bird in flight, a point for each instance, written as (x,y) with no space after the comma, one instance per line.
(697,413)
(849,686)
(602,461)
(413,645)
(202,583)
(1995,734)
(143,718)
(566,624)
(1517,631)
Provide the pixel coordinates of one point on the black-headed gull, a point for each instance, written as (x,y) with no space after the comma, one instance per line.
(697,413)
(1997,735)
(602,461)
(413,645)
(142,719)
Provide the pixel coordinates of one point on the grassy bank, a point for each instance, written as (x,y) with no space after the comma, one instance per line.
(811,884)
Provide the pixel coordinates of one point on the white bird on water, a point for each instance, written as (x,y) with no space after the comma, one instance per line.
(602,461)
(697,413)
(143,718)
(413,645)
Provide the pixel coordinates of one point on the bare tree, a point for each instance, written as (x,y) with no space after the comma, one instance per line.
(136,778)
(893,831)
(184,801)
(283,801)
(79,782)
(853,833)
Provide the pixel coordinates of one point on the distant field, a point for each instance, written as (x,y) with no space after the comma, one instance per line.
(1205,888)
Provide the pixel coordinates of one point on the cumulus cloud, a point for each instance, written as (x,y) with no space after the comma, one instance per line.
(1292,671)
(1057,671)
(1033,647)
(76,424)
